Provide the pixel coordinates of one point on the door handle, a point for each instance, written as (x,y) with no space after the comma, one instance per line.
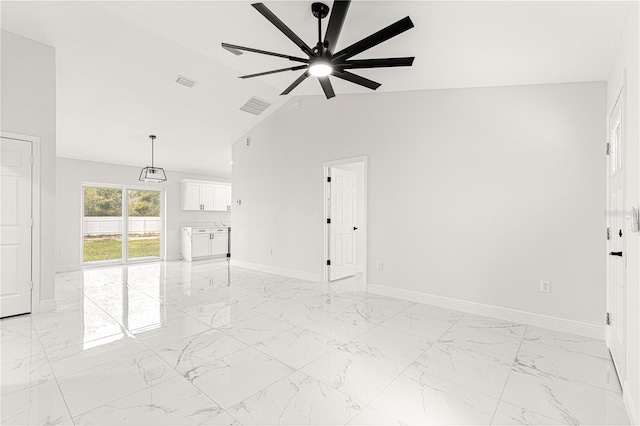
(355,228)
(615,253)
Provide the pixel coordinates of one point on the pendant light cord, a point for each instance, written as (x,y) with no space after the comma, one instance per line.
(153,139)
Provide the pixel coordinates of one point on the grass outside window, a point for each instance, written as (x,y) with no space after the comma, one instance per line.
(110,247)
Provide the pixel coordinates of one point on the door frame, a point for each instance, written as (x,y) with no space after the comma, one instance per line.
(125,225)
(619,96)
(326,165)
(35,214)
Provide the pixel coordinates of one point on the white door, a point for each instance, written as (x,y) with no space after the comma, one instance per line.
(342,235)
(207,197)
(15,227)
(616,260)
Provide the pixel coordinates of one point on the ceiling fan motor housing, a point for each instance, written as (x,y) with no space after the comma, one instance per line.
(320,10)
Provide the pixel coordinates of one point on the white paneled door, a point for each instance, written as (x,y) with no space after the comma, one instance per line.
(15,227)
(616,260)
(342,235)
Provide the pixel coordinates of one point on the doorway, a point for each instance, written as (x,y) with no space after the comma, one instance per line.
(16,223)
(121,225)
(345,222)
(616,234)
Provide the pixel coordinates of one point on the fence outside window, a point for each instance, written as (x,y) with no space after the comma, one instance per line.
(110,225)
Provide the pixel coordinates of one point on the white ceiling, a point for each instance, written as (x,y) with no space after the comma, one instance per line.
(117,62)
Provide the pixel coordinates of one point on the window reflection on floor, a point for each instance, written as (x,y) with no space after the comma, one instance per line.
(132,300)
(131,295)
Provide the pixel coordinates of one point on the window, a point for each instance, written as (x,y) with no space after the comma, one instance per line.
(143,223)
(121,224)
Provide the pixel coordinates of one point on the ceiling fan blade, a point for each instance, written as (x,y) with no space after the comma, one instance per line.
(299,67)
(336,20)
(374,39)
(232,47)
(346,75)
(377,63)
(260,7)
(327,87)
(295,83)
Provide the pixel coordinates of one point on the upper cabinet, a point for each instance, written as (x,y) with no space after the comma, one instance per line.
(206,196)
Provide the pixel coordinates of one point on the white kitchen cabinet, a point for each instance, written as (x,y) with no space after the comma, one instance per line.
(205,195)
(204,242)
(191,196)
(222,200)
(220,244)
(200,245)
(208,197)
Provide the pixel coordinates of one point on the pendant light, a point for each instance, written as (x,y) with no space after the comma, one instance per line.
(151,173)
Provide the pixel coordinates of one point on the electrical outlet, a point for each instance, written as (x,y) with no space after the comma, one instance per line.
(379,265)
(270,252)
(59,251)
(545,286)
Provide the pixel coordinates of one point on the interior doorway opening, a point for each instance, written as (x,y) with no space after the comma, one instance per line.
(344,251)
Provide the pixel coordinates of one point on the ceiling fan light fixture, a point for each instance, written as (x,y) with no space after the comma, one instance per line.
(320,68)
(323,59)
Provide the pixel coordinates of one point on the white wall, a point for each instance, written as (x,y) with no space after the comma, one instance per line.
(627,58)
(71,174)
(29,108)
(359,169)
(474,194)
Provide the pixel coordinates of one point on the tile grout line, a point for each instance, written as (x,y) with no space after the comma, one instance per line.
(54,375)
(509,375)
(153,350)
(368,404)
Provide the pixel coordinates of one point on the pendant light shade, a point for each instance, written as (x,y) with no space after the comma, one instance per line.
(151,173)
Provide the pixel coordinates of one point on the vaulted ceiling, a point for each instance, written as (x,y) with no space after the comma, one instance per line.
(116,63)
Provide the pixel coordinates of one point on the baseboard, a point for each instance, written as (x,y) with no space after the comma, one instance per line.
(173,257)
(629,403)
(276,270)
(553,323)
(48,305)
(68,268)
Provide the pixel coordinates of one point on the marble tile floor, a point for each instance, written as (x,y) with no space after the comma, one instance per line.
(205,343)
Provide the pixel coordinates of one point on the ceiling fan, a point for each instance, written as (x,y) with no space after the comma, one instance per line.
(323,61)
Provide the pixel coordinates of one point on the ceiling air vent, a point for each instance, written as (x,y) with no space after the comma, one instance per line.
(255,106)
(185,81)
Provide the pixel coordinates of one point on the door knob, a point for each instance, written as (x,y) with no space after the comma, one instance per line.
(615,253)
(355,228)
